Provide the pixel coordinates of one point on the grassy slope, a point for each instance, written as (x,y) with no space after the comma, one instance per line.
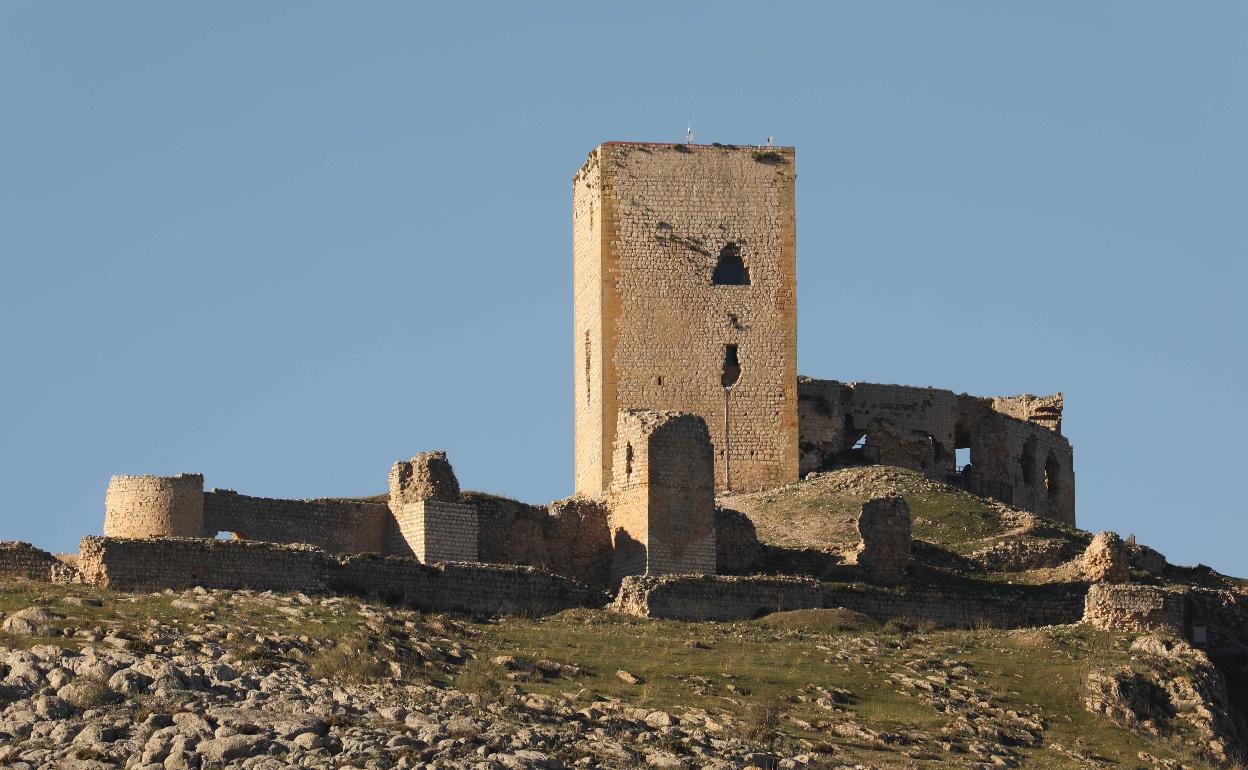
(823,513)
(734,667)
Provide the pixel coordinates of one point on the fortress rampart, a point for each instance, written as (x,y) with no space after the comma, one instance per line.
(155,506)
(338,526)
(151,564)
(1017,453)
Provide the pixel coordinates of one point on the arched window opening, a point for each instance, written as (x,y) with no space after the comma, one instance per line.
(1052,476)
(1028,461)
(732,367)
(731,270)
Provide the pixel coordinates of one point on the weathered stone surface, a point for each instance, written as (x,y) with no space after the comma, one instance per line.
(427,476)
(1126,607)
(652,226)
(155,506)
(1106,559)
(710,597)
(662,498)
(23,560)
(1017,452)
(884,525)
(737,549)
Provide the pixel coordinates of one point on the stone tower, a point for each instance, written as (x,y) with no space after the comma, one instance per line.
(685,300)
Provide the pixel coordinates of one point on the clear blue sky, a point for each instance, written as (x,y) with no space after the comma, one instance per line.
(286,243)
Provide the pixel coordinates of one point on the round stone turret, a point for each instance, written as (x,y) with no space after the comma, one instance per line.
(155,506)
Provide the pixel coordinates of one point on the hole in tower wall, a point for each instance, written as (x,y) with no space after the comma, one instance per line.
(1052,476)
(732,367)
(731,269)
(628,460)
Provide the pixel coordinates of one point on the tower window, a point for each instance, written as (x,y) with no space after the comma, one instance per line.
(731,269)
(732,367)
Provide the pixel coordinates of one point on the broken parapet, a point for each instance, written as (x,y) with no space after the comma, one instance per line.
(884,553)
(430,523)
(155,506)
(662,497)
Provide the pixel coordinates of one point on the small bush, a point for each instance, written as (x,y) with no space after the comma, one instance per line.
(761,724)
(482,678)
(89,693)
(347,661)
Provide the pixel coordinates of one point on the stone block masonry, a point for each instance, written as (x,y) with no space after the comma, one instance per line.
(712,597)
(338,526)
(1139,608)
(435,531)
(23,560)
(707,597)
(152,564)
(662,497)
(685,287)
(1017,453)
(155,506)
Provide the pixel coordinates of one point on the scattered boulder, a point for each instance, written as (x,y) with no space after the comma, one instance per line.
(32,621)
(885,528)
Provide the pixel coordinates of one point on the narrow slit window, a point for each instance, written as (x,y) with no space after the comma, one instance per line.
(628,460)
(732,367)
(731,269)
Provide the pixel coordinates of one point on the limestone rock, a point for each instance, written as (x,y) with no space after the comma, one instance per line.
(32,621)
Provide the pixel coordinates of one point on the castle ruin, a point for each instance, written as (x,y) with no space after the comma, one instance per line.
(686,386)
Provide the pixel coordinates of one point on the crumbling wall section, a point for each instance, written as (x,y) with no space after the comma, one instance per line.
(337,526)
(578,540)
(22,560)
(473,588)
(1138,608)
(154,506)
(154,564)
(715,597)
(1017,454)
(885,528)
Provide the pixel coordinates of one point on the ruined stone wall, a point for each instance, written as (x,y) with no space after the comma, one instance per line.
(435,531)
(662,499)
(651,225)
(1016,454)
(23,560)
(473,588)
(712,597)
(1045,411)
(1139,608)
(910,427)
(337,526)
(154,506)
(509,531)
(578,540)
(706,597)
(1020,462)
(1223,615)
(951,607)
(154,564)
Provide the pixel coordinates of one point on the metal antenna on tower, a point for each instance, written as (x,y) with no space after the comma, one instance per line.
(689,130)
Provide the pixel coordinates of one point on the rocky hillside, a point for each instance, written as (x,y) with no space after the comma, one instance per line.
(201,679)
